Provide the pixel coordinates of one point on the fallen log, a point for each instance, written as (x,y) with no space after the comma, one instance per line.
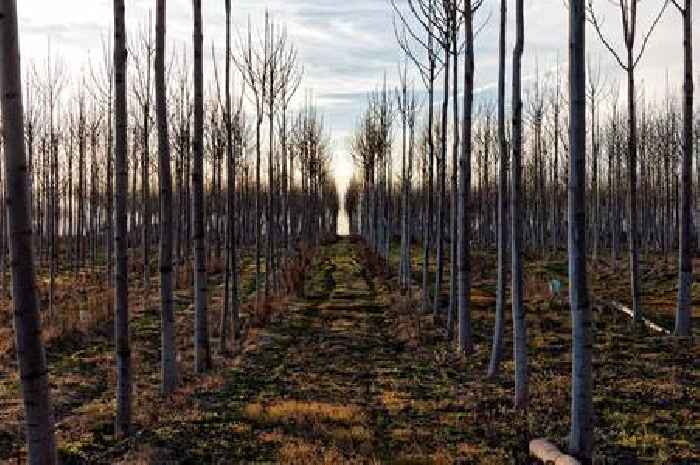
(649,324)
(548,453)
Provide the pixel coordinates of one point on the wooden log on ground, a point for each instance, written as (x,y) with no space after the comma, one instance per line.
(649,324)
(548,453)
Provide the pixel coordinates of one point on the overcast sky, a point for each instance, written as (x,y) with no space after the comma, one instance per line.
(346,45)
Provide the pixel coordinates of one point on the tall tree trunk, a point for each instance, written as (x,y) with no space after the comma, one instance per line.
(145,176)
(465,329)
(168,364)
(403,271)
(519,328)
(441,175)
(685,273)
(292,213)
(81,187)
(581,437)
(110,189)
(428,227)
(258,213)
(497,349)
(594,178)
(270,223)
(202,360)
(70,249)
(121,309)
(616,183)
(454,259)
(555,171)
(134,196)
(225,314)
(51,210)
(232,252)
(409,179)
(3,225)
(633,236)
(31,356)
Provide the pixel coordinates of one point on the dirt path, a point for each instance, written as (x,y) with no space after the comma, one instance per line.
(327,382)
(312,386)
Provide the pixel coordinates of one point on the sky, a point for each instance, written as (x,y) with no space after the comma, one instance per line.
(347,45)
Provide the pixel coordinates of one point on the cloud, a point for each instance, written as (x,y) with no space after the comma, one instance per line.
(346,46)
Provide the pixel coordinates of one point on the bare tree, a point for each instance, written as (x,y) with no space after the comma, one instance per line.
(53,84)
(284,80)
(82,136)
(292,75)
(463,242)
(497,349)
(442,22)
(142,91)
(403,106)
(685,268)
(167,305)
(231,266)
(104,88)
(581,437)
(254,67)
(628,15)
(423,10)
(556,105)
(519,328)
(30,349)
(121,296)
(455,259)
(596,91)
(202,349)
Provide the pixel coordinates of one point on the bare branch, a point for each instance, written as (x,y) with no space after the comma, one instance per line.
(593,19)
(649,32)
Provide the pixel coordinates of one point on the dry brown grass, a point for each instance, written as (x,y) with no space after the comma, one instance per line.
(147,455)
(304,412)
(302,453)
(372,262)
(412,325)
(296,268)
(183,275)
(7,337)
(260,315)
(437,458)
(78,335)
(82,304)
(395,401)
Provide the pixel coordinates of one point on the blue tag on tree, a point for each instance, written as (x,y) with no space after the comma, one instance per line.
(555,287)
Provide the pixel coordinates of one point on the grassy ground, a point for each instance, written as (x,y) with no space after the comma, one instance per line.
(351,373)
